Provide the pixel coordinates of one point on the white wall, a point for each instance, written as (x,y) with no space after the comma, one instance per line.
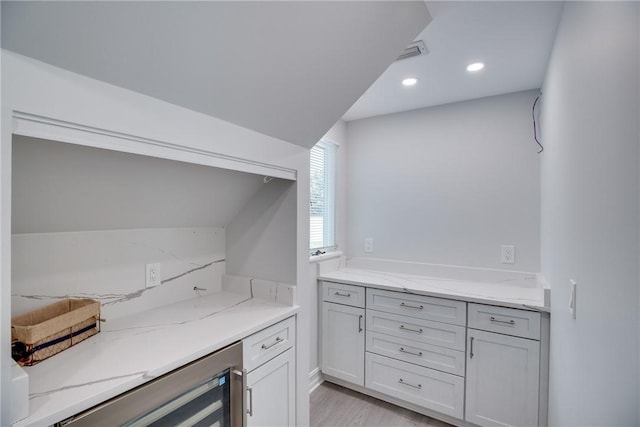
(261,239)
(65,187)
(590,213)
(158,129)
(447,184)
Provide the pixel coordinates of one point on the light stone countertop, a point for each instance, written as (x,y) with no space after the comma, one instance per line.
(518,290)
(133,350)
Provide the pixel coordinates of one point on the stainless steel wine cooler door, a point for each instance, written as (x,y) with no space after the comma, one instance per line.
(207,392)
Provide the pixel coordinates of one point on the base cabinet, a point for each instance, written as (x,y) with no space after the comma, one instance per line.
(464,363)
(271,388)
(343,342)
(502,380)
(269,358)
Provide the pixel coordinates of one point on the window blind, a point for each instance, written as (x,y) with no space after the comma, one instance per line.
(322,196)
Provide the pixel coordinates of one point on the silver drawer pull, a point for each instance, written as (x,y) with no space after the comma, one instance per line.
(417,307)
(268,346)
(510,322)
(341,294)
(401,381)
(417,331)
(410,352)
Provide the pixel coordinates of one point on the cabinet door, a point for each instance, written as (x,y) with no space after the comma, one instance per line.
(502,380)
(343,342)
(271,388)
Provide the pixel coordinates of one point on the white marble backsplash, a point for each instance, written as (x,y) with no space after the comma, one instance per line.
(445,272)
(279,293)
(109,266)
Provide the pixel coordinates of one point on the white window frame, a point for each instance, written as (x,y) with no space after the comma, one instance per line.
(329,232)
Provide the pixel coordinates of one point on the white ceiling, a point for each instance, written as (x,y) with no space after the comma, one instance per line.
(514,39)
(286,69)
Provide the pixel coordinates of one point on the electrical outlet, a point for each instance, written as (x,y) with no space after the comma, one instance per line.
(153,275)
(508,254)
(368,245)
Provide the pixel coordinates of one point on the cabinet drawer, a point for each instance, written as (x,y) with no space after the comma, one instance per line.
(509,321)
(425,331)
(268,343)
(429,356)
(428,388)
(341,293)
(422,307)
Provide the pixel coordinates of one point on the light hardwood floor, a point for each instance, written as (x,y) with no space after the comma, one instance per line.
(335,406)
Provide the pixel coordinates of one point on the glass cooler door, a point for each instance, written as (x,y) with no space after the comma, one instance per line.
(206,405)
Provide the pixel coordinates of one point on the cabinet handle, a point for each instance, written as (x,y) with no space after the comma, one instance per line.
(268,346)
(471,350)
(510,322)
(401,381)
(410,352)
(250,410)
(417,331)
(417,307)
(360,323)
(341,294)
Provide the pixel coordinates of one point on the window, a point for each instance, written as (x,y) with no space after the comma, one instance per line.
(322,207)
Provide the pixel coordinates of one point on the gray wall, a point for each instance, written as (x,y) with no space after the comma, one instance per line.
(61,187)
(590,213)
(261,238)
(447,184)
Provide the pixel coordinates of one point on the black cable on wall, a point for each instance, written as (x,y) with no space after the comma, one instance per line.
(535,127)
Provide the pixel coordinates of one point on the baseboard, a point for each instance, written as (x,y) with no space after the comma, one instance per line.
(315,379)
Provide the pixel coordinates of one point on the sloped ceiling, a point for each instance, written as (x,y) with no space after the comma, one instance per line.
(286,69)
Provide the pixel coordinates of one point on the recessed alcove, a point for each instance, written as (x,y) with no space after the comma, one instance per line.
(86,221)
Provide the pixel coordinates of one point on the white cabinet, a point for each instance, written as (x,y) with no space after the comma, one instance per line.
(268,343)
(465,363)
(343,342)
(414,345)
(425,387)
(504,367)
(271,388)
(502,380)
(420,306)
(269,356)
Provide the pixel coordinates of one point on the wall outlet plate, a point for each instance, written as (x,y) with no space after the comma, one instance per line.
(368,245)
(508,254)
(152,275)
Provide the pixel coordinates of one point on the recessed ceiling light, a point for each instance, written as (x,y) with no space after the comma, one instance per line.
(409,81)
(476,66)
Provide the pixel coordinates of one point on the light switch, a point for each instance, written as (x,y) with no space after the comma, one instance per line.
(572,298)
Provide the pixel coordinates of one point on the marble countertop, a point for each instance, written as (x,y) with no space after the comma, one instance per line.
(132,350)
(518,290)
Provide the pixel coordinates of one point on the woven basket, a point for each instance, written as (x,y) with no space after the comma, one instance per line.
(42,333)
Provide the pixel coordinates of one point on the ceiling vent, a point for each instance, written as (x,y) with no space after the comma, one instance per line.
(414,49)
